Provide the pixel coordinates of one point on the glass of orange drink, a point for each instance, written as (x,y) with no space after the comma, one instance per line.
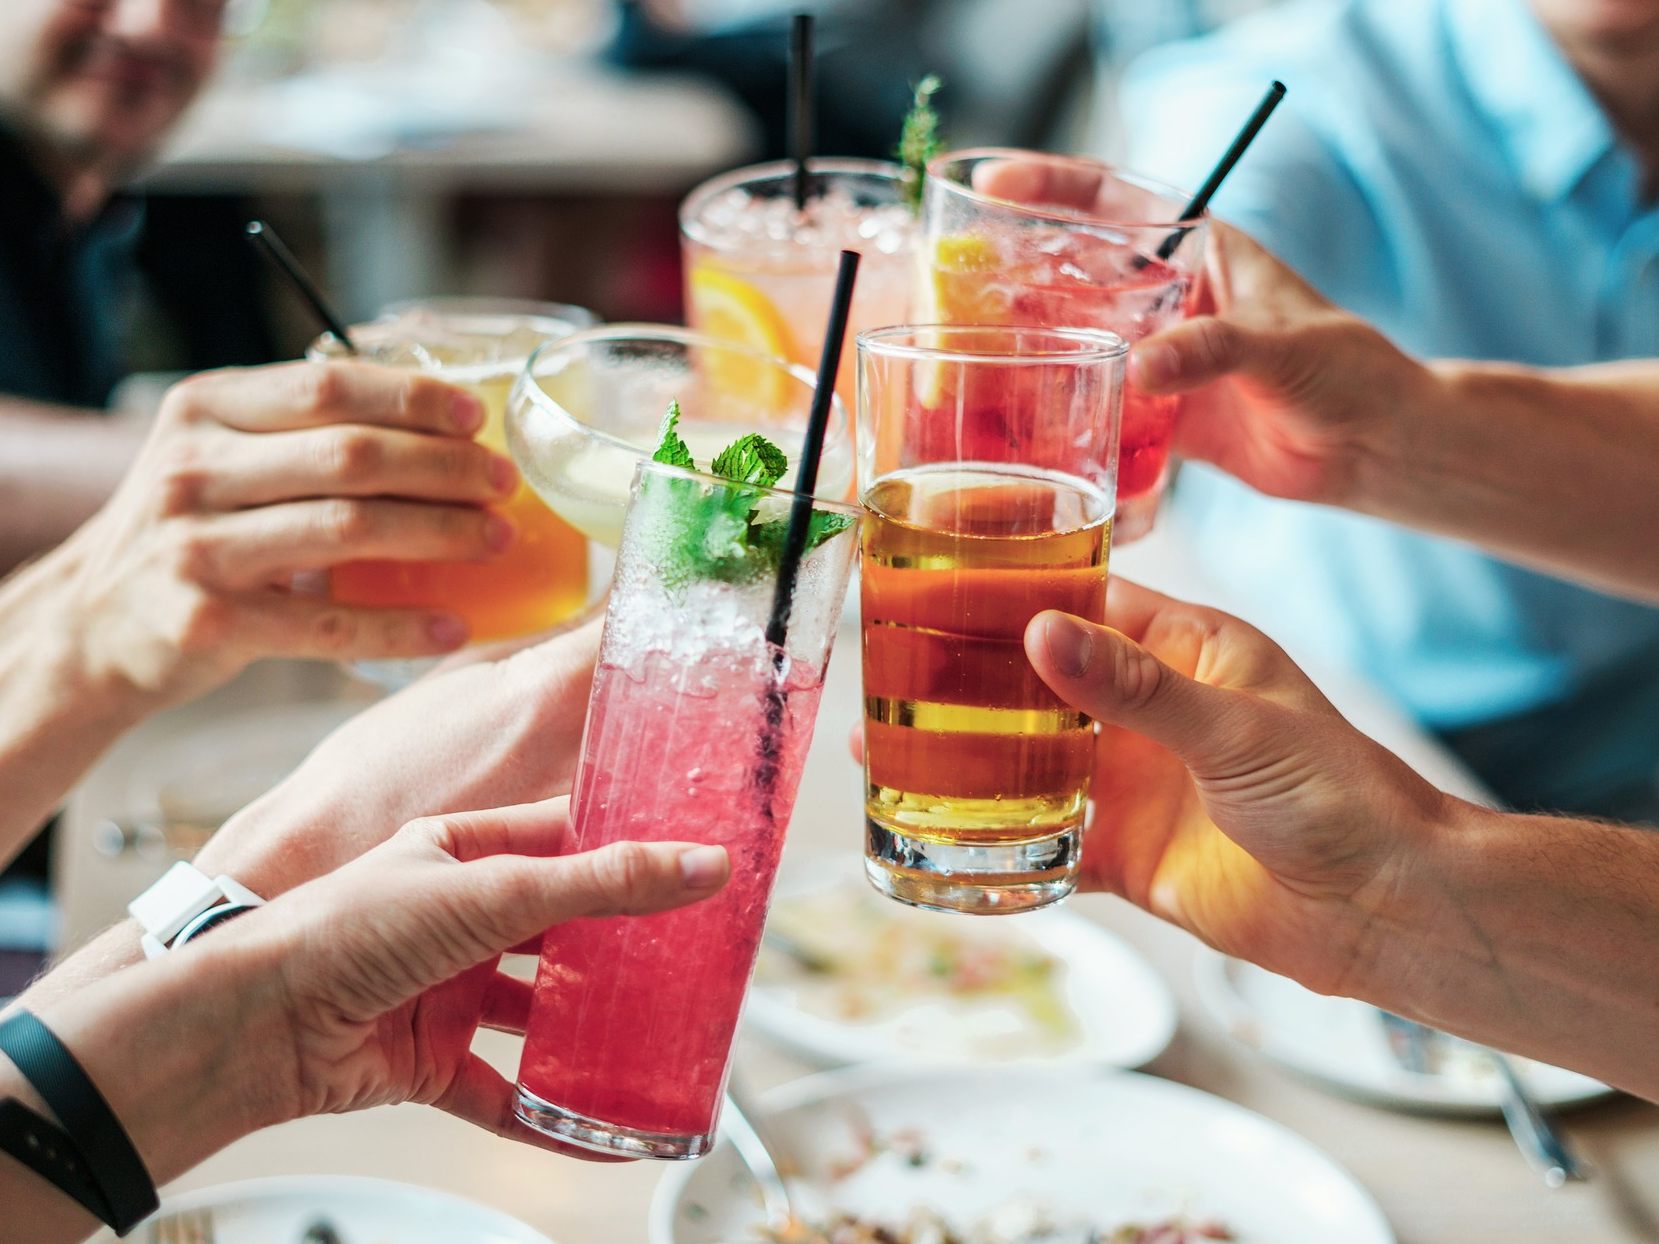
(541,580)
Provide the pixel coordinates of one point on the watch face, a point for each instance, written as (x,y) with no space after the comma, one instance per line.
(212,918)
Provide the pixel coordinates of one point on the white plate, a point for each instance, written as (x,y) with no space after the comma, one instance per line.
(1340,1043)
(1101,1148)
(1124,1014)
(278,1211)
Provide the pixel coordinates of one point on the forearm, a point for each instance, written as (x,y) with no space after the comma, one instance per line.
(56,716)
(1553,469)
(1536,935)
(57,466)
(173,1047)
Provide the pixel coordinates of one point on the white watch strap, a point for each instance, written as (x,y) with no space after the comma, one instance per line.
(183,893)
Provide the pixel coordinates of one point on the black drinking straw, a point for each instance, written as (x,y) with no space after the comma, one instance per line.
(273,248)
(1212,183)
(800,522)
(806,478)
(800,105)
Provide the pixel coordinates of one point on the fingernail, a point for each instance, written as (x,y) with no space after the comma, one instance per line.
(703,868)
(1070,644)
(467,411)
(1152,366)
(503,474)
(447,631)
(498,532)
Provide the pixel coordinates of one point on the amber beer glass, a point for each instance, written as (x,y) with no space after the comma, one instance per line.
(988,473)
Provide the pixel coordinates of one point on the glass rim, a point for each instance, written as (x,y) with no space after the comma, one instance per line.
(484,306)
(1067,215)
(650,466)
(1093,345)
(319,350)
(690,207)
(529,388)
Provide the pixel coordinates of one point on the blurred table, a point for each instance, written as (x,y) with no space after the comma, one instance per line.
(1439,1182)
(386,156)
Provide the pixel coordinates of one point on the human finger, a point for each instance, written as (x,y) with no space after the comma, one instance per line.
(1115,680)
(253,548)
(1038,182)
(480,1095)
(352,460)
(308,395)
(533,829)
(274,624)
(506,1005)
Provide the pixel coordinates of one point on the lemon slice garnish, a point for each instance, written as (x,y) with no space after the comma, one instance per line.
(731,309)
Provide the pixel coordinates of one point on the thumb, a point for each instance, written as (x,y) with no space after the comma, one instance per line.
(1115,680)
(527,896)
(1199,351)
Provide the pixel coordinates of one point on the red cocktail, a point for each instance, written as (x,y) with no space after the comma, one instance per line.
(1016,237)
(697,730)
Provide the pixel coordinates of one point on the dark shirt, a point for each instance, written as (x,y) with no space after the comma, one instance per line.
(62,288)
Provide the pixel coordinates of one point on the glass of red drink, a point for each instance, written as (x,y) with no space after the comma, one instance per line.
(697,731)
(1020,237)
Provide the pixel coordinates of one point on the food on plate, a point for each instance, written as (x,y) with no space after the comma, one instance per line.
(991,990)
(1016,1222)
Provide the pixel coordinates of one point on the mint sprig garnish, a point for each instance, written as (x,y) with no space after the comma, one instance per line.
(708,532)
(671,450)
(751,460)
(919,139)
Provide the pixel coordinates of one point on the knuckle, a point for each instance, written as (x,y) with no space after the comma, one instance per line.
(354,455)
(1214,346)
(192,553)
(181,478)
(205,623)
(1137,675)
(334,631)
(623,873)
(186,402)
(521,888)
(322,386)
(439,831)
(349,522)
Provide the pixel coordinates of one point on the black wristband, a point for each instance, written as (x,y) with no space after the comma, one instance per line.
(105,1148)
(48,1152)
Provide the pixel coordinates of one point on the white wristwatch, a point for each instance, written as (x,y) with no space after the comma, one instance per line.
(185,902)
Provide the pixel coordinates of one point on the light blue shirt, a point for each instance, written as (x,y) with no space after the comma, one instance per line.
(1438,168)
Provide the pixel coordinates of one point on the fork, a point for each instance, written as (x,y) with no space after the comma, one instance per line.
(190,1226)
(1414,1047)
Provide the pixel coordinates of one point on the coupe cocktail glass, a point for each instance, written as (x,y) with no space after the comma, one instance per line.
(697,730)
(1066,243)
(987,468)
(588,409)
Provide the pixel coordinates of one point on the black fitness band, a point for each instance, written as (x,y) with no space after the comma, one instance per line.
(46,1150)
(105,1148)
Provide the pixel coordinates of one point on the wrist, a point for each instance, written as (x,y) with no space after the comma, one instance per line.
(177,1048)
(1427,943)
(1399,442)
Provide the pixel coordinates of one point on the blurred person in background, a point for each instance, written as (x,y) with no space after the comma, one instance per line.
(89,91)
(1477,178)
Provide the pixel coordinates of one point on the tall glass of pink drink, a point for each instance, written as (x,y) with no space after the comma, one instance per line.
(1026,238)
(761,272)
(697,730)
